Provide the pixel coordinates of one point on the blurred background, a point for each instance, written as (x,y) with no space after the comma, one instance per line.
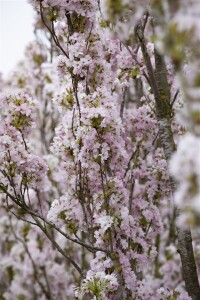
(16,30)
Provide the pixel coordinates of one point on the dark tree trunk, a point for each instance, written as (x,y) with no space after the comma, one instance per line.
(161,90)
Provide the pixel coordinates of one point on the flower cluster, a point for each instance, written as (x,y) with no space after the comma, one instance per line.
(98,284)
(94,176)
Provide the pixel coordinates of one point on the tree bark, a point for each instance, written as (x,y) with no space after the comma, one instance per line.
(161,90)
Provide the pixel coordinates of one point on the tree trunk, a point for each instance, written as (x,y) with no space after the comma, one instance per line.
(161,90)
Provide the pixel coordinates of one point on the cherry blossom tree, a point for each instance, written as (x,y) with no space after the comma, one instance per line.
(99,140)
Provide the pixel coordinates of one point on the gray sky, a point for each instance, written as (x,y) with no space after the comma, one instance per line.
(16,30)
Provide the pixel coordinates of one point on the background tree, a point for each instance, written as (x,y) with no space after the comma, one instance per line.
(87,203)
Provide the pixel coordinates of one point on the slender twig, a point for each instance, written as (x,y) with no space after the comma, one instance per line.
(73,115)
(134,154)
(52,32)
(134,57)
(144,26)
(174,99)
(55,244)
(35,269)
(32,213)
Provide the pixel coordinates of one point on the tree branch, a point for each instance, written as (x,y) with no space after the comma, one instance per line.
(161,92)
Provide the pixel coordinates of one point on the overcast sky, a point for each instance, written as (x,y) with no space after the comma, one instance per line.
(16,30)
